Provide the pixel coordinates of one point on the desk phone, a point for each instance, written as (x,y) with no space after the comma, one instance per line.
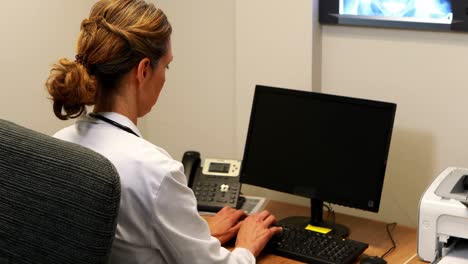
(215,184)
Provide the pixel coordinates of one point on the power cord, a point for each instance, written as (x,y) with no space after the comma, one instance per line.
(330,211)
(389,232)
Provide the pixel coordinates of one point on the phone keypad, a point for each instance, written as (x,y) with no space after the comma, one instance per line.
(213,196)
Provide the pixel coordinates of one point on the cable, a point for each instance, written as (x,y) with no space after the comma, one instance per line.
(393,225)
(330,211)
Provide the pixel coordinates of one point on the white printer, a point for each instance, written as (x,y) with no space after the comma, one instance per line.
(443,216)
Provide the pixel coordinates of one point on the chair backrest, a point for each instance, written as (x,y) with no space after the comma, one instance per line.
(58,201)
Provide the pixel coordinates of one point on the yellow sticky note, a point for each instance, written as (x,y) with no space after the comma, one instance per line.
(318,229)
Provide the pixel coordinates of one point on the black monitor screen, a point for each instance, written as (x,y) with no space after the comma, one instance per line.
(327,147)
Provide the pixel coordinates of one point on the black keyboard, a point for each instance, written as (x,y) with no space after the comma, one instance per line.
(312,247)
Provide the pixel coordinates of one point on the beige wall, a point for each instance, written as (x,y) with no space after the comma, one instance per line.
(34,35)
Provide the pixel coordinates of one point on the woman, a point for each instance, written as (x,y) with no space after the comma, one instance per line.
(123,51)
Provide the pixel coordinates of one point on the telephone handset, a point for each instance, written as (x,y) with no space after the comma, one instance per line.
(191,161)
(216,184)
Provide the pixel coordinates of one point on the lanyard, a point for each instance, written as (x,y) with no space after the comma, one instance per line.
(112,122)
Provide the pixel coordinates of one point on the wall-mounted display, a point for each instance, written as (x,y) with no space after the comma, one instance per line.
(445,15)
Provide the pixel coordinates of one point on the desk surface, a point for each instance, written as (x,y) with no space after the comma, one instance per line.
(372,232)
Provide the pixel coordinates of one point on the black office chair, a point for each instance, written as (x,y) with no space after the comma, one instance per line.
(58,201)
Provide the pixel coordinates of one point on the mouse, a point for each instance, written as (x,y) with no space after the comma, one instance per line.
(372,260)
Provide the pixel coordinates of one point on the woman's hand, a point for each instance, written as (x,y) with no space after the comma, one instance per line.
(256,231)
(226,223)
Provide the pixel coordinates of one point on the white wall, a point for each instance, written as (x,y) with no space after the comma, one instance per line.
(34,35)
(221,50)
(196,109)
(424,73)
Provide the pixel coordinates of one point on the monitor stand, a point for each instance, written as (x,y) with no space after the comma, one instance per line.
(316,219)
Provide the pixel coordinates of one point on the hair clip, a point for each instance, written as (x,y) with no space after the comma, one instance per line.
(79,59)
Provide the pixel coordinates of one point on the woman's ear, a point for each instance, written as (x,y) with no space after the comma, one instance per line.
(143,69)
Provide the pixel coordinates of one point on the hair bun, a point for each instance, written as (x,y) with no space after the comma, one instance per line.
(71,88)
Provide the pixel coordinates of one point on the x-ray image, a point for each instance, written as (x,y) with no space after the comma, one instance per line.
(421,9)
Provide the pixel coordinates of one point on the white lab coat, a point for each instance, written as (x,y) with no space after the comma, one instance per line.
(158,220)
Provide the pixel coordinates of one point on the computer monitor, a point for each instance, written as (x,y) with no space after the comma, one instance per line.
(325,147)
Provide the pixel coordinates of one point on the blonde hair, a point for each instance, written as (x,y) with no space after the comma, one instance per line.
(117,35)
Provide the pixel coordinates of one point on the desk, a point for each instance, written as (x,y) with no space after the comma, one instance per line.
(372,232)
